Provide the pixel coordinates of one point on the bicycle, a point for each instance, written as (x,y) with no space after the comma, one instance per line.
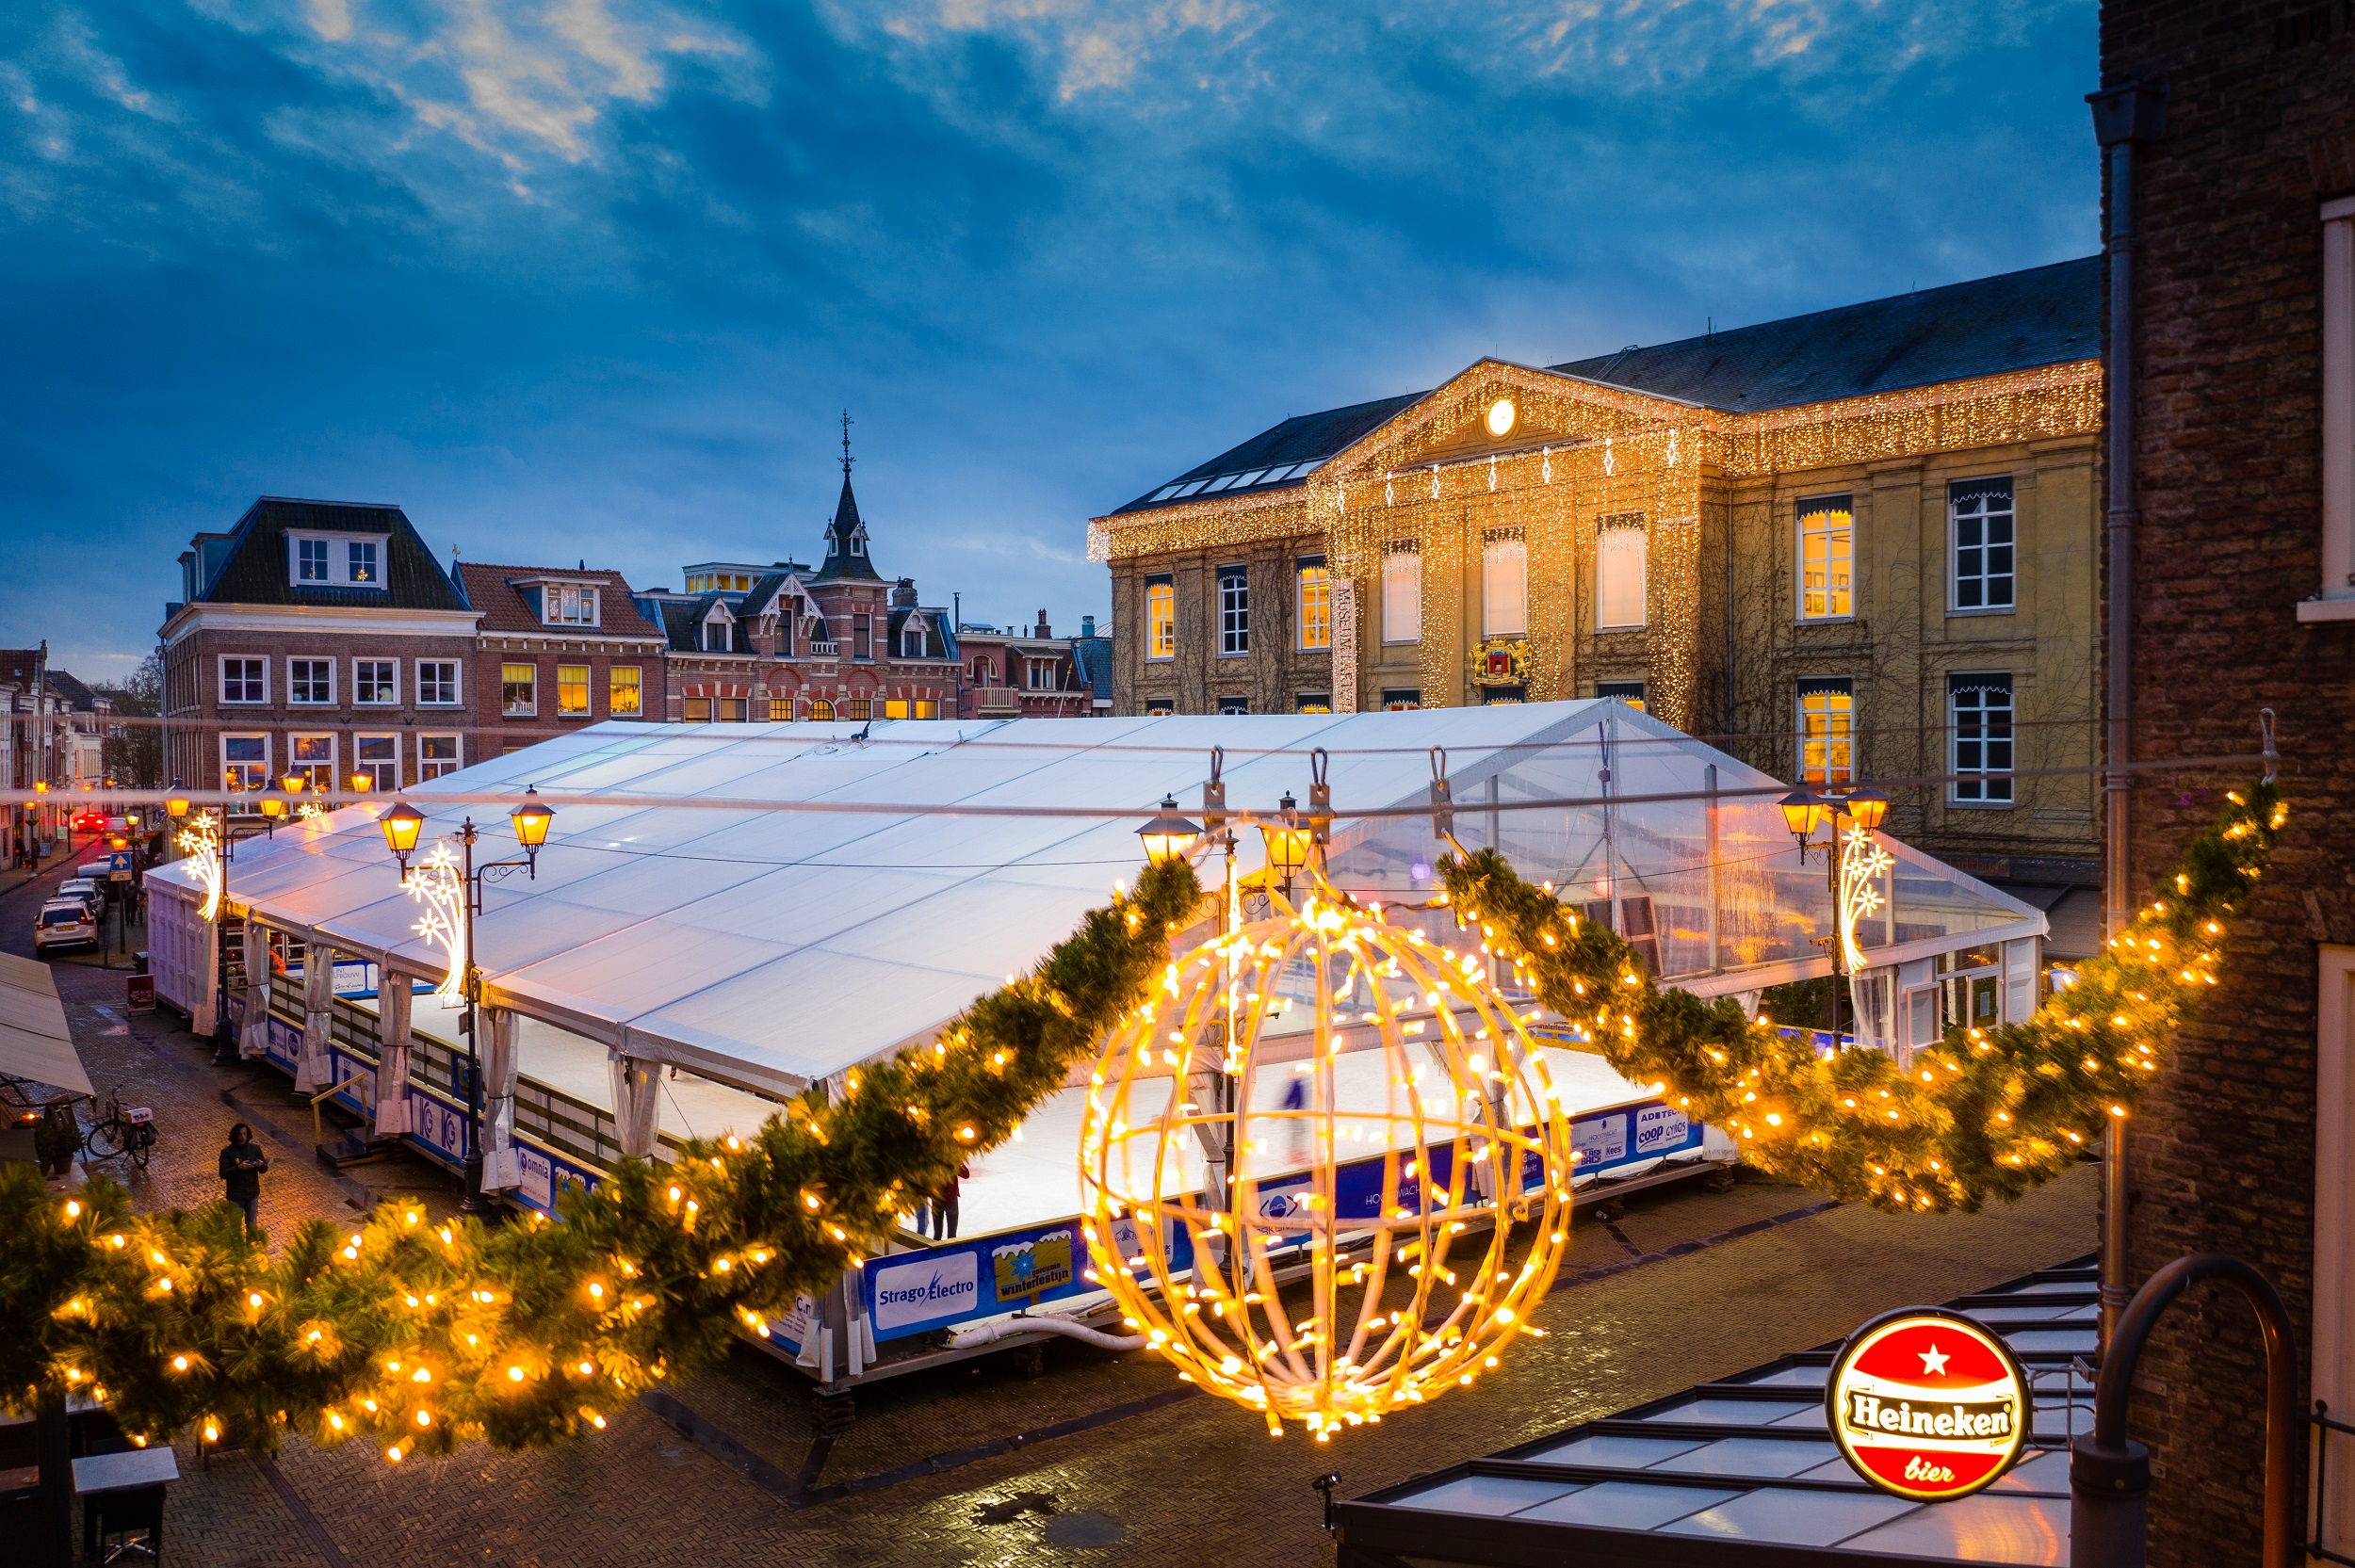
(122,1130)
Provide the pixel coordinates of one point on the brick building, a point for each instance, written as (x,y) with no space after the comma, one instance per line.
(1014,675)
(1857,544)
(797,642)
(316,638)
(557,648)
(2243,407)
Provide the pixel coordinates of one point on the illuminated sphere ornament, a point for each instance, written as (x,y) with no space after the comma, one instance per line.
(1289,1167)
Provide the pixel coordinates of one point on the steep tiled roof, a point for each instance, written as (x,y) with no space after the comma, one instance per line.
(1093,656)
(2016,321)
(840,560)
(16,666)
(252,569)
(491,590)
(77,696)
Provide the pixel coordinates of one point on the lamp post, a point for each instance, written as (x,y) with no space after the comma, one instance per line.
(401,826)
(224,847)
(1289,840)
(1168,837)
(1803,812)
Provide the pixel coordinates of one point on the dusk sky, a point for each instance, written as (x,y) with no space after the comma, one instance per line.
(594,278)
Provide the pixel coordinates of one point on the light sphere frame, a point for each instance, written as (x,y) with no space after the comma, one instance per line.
(1201,1203)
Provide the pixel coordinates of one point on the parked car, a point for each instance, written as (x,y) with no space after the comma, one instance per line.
(90,892)
(64,923)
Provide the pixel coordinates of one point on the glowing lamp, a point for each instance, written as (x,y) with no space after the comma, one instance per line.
(177,808)
(1287,839)
(273,807)
(532,820)
(401,826)
(361,783)
(1501,416)
(1803,812)
(1168,835)
(1868,806)
(41,786)
(293,782)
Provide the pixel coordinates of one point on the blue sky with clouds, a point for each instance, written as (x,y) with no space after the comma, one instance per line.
(594,276)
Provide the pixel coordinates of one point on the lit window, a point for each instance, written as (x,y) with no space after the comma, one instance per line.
(336,560)
(1315,702)
(1161,619)
(1402,594)
(519,690)
(1619,576)
(437,754)
(569,604)
(1504,588)
(310,680)
(1827,559)
(572,690)
(375,681)
(314,757)
(855,707)
(379,757)
(820,711)
(1985,554)
(895,707)
(1157,710)
(698,710)
(1980,708)
(928,707)
(1316,603)
(1234,611)
(360,553)
(245,680)
(733,710)
(780,710)
(311,561)
(1826,732)
(437,681)
(1401,700)
(623,692)
(244,761)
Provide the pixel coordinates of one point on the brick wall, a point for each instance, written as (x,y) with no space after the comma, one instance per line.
(2228,340)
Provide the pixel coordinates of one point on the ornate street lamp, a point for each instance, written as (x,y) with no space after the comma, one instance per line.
(1852,864)
(1290,840)
(1168,837)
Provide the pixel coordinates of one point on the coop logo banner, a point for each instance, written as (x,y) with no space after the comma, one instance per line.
(937,1285)
(1661,1129)
(1926,1404)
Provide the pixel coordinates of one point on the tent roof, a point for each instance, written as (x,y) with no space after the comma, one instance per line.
(678,915)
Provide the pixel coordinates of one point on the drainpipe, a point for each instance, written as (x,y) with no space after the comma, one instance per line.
(2124,117)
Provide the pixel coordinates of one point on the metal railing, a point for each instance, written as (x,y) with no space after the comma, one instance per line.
(2325,1425)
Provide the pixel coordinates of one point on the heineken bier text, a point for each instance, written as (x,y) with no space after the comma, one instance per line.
(1869,1414)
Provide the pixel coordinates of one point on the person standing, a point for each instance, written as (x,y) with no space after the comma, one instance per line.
(241,1165)
(944,1214)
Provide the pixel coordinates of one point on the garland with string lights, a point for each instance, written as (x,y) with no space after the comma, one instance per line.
(1985,1113)
(419,1336)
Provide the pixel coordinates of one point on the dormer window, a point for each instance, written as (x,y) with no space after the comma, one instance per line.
(569,604)
(912,641)
(858,545)
(716,634)
(336,560)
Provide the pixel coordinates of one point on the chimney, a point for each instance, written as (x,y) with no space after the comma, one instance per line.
(1087,625)
(903,593)
(1043,630)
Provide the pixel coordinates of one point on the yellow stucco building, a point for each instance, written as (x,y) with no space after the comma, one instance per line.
(1855,544)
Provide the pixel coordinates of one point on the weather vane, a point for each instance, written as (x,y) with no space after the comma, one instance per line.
(847,459)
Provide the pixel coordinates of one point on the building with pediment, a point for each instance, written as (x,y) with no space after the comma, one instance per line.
(1853,544)
(788,642)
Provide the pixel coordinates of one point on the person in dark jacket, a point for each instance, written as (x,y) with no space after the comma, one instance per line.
(944,1214)
(241,1167)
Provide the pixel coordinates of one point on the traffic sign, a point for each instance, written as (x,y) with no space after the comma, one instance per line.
(118,866)
(1926,1404)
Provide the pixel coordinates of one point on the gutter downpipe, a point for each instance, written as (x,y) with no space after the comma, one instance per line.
(2124,117)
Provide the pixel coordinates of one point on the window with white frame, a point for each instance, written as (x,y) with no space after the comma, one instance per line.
(376,681)
(1620,574)
(912,641)
(2334,600)
(623,696)
(568,605)
(310,680)
(313,756)
(572,691)
(718,635)
(438,755)
(1402,593)
(437,681)
(1313,588)
(1827,731)
(245,761)
(1504,584)
(519,690)
(244,680)
(1827,558)
(1980,709)
(1986,549)
(376,758)
(1234,611)
(1041,675)
(1160,617)
(336,560)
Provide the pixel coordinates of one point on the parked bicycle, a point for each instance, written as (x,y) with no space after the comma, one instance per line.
(122,1130)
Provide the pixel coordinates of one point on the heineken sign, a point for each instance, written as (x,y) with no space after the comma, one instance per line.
(1927,1404)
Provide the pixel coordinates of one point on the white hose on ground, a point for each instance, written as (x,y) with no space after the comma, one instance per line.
(1005,1328)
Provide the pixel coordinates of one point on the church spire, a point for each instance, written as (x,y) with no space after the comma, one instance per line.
(846,536)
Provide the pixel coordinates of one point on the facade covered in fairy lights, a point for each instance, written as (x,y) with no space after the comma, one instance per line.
(1846,545)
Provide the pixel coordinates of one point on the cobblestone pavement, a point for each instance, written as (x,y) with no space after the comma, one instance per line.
(1191,1480)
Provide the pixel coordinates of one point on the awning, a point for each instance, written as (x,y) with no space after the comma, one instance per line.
(34,1041)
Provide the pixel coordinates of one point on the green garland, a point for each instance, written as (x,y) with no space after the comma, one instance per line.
(1983,1114)
(420,1337)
